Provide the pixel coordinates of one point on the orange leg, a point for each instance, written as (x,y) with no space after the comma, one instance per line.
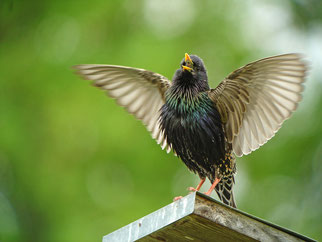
(198,187)
(217,180)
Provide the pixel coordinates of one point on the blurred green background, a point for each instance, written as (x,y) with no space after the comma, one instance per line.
(74,166)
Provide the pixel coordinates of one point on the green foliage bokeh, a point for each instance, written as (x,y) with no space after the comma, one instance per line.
(74,166)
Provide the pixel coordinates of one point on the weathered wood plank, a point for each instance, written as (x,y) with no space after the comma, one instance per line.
(197,217)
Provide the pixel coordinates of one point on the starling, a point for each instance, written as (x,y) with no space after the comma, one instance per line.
(207,127)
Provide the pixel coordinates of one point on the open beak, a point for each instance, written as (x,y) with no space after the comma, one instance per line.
(189,63)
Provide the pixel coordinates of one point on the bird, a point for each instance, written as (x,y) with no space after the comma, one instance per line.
(207,128)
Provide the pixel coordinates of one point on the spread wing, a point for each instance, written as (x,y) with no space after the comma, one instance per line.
(141,92)
(257,98)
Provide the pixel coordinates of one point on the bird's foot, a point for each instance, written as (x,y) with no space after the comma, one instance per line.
(177,198)
(192,189)
(198,187)
(207,193)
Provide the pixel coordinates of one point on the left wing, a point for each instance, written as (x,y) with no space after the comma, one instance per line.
(141,92)
(256,99)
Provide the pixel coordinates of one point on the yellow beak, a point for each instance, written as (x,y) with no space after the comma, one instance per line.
(189,63)
(186,68)
(187,58)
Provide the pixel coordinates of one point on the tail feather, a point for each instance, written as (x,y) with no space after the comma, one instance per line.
(224,190)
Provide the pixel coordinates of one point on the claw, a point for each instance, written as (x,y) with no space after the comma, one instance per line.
(192,189)
(177,198)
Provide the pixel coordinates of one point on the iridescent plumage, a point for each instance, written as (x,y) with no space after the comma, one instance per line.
(206,127)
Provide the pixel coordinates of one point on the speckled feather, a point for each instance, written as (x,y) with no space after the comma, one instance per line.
(206,127)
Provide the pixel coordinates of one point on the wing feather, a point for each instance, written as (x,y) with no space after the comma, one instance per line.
(256,99)
(141,92)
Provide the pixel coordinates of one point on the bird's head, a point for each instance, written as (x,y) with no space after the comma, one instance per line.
(192,64)
(192,70)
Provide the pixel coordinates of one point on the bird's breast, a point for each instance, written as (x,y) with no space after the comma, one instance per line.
(193,128)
